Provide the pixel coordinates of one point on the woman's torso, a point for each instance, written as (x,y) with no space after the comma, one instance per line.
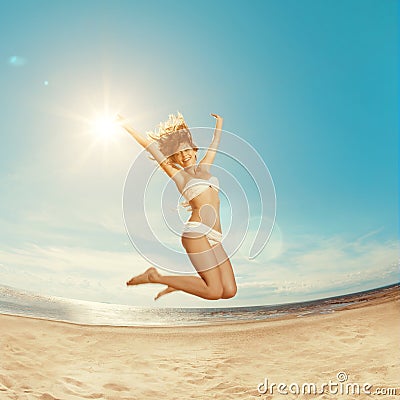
(205,205)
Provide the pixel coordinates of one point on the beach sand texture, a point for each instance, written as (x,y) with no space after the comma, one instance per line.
(53,360)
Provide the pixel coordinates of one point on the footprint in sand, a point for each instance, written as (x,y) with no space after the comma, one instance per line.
(78,388)
(48,396)
(116,387)
(348,340)
(5,383)
(73,381)
(3,388)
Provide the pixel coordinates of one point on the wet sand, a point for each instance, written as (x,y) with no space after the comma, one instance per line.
(47,360)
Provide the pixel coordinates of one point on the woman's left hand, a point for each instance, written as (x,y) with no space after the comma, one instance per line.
(217,116)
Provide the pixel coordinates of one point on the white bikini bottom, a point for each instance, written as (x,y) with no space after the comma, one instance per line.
(212,235)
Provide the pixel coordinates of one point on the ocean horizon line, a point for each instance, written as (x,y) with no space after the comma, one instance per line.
(318,299)
(82,312)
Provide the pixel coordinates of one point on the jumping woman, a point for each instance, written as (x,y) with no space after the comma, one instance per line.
(175,152)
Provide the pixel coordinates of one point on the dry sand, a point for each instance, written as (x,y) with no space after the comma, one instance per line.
(53,360)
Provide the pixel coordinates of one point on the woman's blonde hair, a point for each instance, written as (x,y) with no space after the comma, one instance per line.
(171,134)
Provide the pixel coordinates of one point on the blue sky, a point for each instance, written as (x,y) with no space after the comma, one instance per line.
(312,85)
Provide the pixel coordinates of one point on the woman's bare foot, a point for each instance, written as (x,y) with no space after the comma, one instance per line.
(148,276)
(169,289)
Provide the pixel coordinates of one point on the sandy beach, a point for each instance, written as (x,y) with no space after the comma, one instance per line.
(53,360)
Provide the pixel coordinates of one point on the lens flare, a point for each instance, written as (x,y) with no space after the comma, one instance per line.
(105,126)
(17,61)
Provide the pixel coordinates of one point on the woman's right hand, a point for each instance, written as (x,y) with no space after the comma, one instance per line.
(120,118)
(123,122)
(136,135)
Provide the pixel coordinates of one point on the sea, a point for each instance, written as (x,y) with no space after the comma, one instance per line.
(24,303)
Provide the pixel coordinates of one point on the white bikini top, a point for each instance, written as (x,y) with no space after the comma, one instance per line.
(195,186)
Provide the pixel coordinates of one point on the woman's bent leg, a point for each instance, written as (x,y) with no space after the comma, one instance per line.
(207,286)
(226,270)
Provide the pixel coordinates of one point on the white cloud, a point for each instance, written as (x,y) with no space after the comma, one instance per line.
(308,265)
(69,271)
(334,266)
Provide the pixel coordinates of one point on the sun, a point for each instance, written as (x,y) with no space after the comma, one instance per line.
(105,126)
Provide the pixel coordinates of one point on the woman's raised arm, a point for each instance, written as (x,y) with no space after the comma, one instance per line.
(143,141)
(208,159)
(150,146)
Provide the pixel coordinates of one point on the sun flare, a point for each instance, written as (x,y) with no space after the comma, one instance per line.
(105,126)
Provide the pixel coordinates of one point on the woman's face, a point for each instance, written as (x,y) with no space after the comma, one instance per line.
(185,155)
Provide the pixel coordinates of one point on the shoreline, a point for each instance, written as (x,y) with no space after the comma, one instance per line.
(377,297)
(51,360)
